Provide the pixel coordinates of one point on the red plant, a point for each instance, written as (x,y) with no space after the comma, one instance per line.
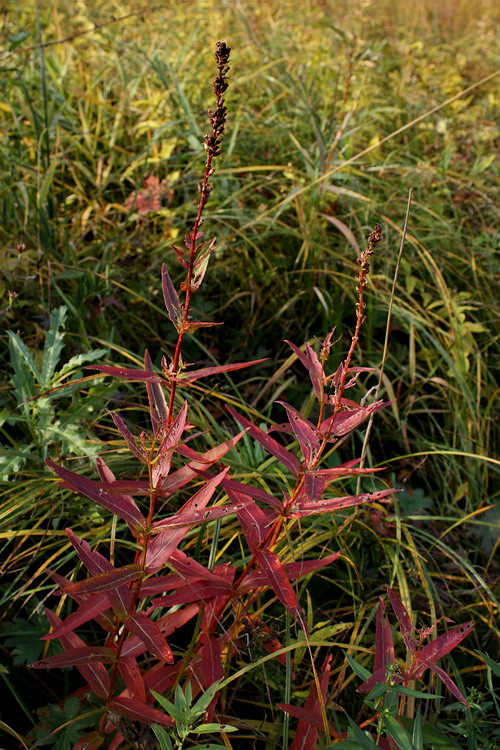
(132,603)
(422,656)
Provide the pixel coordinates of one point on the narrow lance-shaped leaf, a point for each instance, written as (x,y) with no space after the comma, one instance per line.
(106,581)
(192,375)
(329,505)
(74,657)
(446,679)
(310,718)
(257,578)
(272,446)
(95,674)
(170,297)
(121,506)
(124,431)
(158,409)
(407,628)
(120,595)
(128,373)
(87,610)
(139,712)
(384,650)
(164,544)
(444,643)
(310,360)
(304,432)
(173,436)
(150,634)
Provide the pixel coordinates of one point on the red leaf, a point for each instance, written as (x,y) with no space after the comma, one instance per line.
(158,409)
(105,581)
(444,643)
(352,417)
(198,516)
(211,659)
(384,650)
(182,476)
(190,377)
(170,297)
(272,567)
(139,712)
(164,544)
(407,628)
(256,493)
(444,677)
(194,592)
(310,360)
(95,675)
(314,486)
(124,431)
(120,505)
(88,610)
(304,432)
(74,657)
(128,373)
(160,678)
(134,646)
(384,646)
(173,436)
(120,596)
(306,735)
(132,677)
(271,445)
(253,521)
(329,505)
(150,634)
(256,578)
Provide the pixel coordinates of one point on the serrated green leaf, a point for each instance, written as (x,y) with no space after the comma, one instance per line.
(361,671)
(25,371)
(79,359)
(54,343)
(162,737)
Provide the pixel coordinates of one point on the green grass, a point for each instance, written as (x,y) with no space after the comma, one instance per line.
(84,122)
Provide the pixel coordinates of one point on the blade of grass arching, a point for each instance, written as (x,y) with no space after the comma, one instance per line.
(322,178)
(472,574)
(386,338)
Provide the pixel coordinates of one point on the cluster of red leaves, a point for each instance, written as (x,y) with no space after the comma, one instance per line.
(130,603)
(386,670)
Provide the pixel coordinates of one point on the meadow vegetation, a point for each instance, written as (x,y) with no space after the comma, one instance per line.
(336,110)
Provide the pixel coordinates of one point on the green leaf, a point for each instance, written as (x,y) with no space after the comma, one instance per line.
(162,737)
(170,708)
(26,372)
(414,693)
(345,745)
(207,728)
(22,637)
(204,701)
(364,741)
(362,672)
(494,666)
(16,40)
(396,731)
(54,343)
(79,359)
(417,737)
